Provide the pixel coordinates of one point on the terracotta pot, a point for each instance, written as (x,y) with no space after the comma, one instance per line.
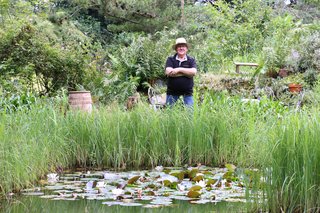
(80,100)
(294,88)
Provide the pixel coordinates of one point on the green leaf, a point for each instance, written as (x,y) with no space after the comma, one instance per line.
(133,179)
(193,194)
(195,188)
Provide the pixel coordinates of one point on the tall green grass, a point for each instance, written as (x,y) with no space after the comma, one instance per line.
(30,143)
(215,133)
(282,144)
(293,166)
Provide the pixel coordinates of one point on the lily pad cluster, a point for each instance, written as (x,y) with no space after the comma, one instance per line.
(150,189)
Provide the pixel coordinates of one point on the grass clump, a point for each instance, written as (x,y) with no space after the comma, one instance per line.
(281,143)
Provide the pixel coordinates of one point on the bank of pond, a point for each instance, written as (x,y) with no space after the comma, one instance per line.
(270,152)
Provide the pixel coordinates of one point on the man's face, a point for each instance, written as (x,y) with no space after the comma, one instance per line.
(181,49)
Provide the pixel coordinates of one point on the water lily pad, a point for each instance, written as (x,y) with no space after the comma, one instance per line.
(161,201)
(200,201)
(230,167)
(170,178)
(230,176)
(33,193)
(194,194)
(210,182)
(151,186)
(236,200)
(55,187)
(150,193)
(89,179)
(31,190)
(64,198)
(207,173)
(175,197)
(62,191)
(69,178)
(179,175)
(133,179)
(197,178)
(131,204)
(152,206)
(166,183)
(195,188)
(49,196)
(111,176)
(146,198)
(158,189)
(112,203)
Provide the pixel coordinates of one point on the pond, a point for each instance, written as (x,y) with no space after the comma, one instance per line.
(193,189)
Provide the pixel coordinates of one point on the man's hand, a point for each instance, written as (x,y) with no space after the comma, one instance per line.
(174,73)
(180,71)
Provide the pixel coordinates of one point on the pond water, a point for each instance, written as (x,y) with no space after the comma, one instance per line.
(36,204)
(193,189)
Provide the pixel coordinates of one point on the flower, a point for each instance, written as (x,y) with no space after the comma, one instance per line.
(117,191)
(159,168)
(201,183)
(89,185)
(181,187)
(100,184)
(52,177)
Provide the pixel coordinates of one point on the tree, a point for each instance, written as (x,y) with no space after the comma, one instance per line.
(143,15)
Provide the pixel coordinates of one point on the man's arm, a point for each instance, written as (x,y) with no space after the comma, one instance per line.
(169,71)
(189,72)
(180,71)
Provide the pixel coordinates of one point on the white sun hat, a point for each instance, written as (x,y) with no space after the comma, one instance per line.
(180,41)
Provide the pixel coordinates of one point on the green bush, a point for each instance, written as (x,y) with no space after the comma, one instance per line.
(139,60)
(44,57)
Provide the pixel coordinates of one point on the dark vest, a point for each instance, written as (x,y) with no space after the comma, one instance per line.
(181,85)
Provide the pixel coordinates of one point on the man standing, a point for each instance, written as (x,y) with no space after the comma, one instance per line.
(180,69)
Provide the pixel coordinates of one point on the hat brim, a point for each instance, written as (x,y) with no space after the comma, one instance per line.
(174,47)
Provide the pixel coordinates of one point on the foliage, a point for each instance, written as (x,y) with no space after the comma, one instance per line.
(310,52)
(145,15)
(213,134)
(292,182)
(44,57)
(139,60)
(278,46)
(15,99)
(237,30)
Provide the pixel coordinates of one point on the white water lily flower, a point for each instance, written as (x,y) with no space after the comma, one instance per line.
(181,187)
(100,184)
(223,183)
(117,191)
(201,183)
(89,185)
(52,177)
(159,168)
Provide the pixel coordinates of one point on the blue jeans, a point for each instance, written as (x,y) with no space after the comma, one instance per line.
(187,100)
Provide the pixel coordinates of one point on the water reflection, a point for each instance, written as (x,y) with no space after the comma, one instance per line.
(37,204)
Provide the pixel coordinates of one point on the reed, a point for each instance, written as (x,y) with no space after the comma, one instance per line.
(293,169)
(283,144)
(211,134)
(30,143)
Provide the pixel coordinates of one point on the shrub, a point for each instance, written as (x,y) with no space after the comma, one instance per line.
(45,59)
(138,60)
